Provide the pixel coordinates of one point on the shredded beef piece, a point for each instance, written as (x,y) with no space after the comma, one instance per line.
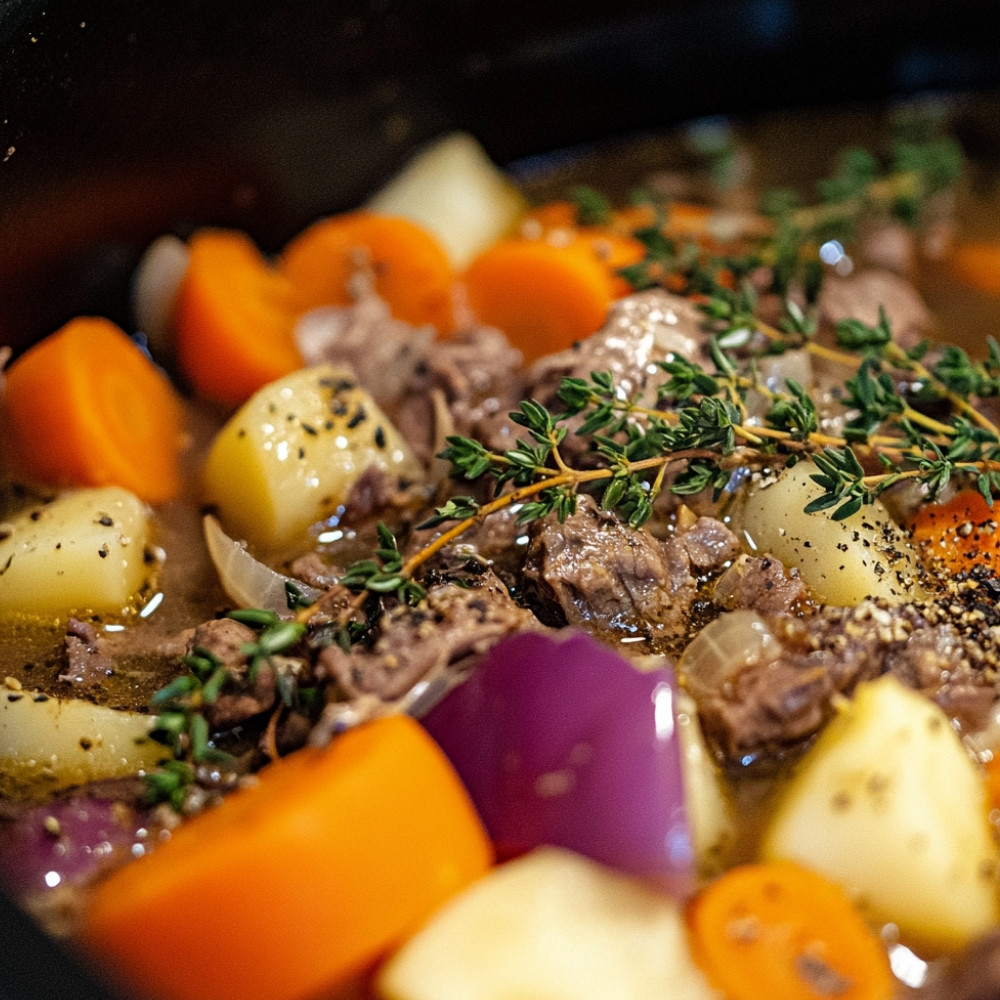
(972,974)
(762,584)
(454,624)
(943,648)
(224,638)
(383,352)
(88,662)
(641,330)
(860,296)
(613,580)
(465,385)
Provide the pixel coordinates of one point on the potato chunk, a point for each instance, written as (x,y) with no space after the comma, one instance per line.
(291,453)
(889,804)
(550,925)
(51,743)
(82,552)
(453,189)
(843,562)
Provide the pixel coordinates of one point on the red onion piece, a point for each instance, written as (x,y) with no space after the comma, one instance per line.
(70,840)
(560,740)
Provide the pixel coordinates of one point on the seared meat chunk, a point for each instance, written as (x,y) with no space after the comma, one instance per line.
(775,702)
(440,637)
(614,581)
(224,639)
(762,584)
(88,662)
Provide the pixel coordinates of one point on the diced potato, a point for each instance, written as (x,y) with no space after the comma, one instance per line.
(889,804)
(290,455)
(843,562)
(82,552)
(454,190)
(708,806)
(50,743)
(551,925)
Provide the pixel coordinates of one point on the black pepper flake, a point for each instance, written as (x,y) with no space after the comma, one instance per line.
(6,565)
(359,418)
(103,551)
(35,515)
(86,744)
(309,429)
(302,453)
(14,696)
(105,521)
(380,436)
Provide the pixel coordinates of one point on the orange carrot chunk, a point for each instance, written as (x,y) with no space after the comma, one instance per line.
(86,407)
(299,883)
(411,269)
(543,295)
(235,318)
(978,266)
(776,929)
(961,532)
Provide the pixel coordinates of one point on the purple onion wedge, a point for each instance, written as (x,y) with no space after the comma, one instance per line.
(561,740)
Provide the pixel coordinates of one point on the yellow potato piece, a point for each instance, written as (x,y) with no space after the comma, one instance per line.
(843,562)
(288,458)
(51,743)
(551,925)
(82,552)
(455,191)
(889,804)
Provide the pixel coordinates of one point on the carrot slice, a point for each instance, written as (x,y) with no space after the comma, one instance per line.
(978,266)
(86,407)
(776,929)
(299,883)
(412,271)
(960,532)
(235,318)
(543,295)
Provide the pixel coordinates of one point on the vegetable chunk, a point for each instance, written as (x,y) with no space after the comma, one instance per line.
(305,879)
(82,552)
(453,189)
(780,930)
(86,407)
(889,805)
(51,743)
(551,925)
(843,562)
(290,455)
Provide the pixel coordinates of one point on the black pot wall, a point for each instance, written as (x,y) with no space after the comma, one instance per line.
(121,119)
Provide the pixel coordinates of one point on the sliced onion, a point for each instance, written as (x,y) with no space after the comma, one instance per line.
(247,581)
(154,291)
(562,741)
(723,648)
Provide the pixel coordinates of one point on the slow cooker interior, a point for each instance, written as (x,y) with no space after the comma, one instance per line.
(121,120)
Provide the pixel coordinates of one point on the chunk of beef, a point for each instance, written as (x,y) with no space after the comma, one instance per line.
(438,639)
(88,661)
(615,581)
(464,385)
(224,639)
(641,330)
(943,648)
(383,352)
(860,295)
(762,584)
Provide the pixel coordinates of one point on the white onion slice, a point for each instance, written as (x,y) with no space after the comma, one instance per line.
(246,580)
(154,291)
